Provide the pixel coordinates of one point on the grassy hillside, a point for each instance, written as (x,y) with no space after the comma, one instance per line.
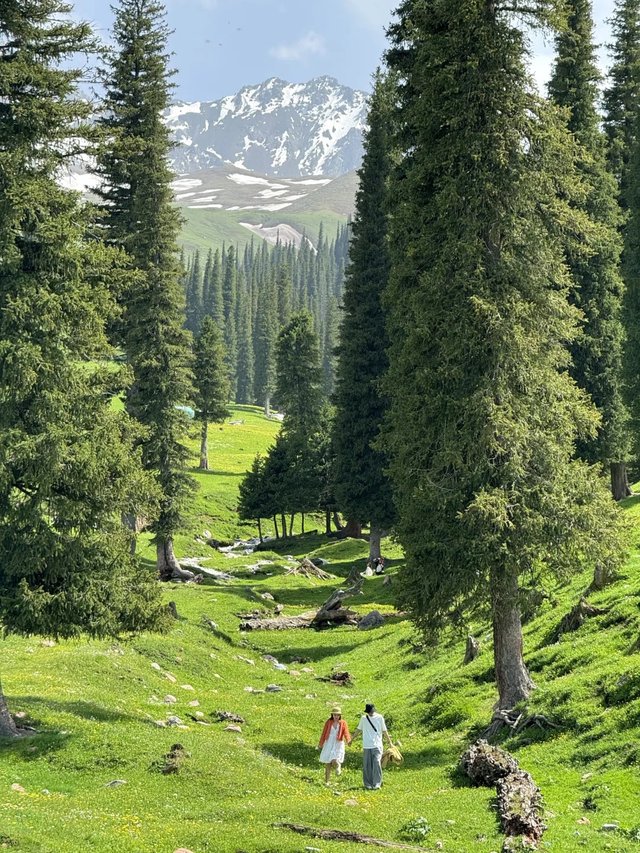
(97,709)
(205,229)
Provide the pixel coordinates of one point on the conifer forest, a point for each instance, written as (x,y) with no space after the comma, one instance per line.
(393,460)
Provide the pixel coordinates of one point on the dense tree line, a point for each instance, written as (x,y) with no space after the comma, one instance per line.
(252,294)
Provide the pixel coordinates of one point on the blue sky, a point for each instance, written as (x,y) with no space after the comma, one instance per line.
(222,45)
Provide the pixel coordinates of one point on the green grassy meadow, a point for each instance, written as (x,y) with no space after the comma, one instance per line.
(97,706)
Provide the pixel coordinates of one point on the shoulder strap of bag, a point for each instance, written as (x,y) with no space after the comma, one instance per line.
(371,724)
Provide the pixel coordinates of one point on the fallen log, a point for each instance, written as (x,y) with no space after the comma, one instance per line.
(307,569)
(339,835)
(519,798)
(304,620)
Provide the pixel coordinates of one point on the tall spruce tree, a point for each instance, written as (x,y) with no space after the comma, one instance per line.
(230,303)
(211,381)
(67,464)
(265,345)
(483,415)
(140,217)
(594,256)
(621,122)
(622,95)
(361,487)
(245,350)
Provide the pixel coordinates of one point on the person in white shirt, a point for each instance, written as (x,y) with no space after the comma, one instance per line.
(371,728)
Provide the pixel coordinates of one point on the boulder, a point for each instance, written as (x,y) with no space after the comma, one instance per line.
(374,619)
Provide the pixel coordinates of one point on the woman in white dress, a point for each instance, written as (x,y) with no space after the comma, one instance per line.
(335,736)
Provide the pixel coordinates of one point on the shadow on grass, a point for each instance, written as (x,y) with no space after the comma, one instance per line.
(216,473)
(312,654)
(84,710)
(34,746)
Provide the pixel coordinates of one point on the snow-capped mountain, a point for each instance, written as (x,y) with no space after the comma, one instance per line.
(275,128)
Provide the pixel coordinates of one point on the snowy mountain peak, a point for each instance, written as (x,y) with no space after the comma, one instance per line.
(275,128)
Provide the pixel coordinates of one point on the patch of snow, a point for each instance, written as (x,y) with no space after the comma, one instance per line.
(273,234)
(177,110)
(203,206)
(254,179)
(185,184)
(271,193)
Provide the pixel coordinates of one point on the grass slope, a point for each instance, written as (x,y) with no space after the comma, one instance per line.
(96,707)
(209,229)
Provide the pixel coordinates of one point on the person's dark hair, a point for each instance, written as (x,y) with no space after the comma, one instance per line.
(369,708)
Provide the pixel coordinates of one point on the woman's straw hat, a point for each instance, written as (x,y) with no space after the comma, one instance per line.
(336,710)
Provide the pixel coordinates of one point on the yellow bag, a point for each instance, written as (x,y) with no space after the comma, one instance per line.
(391,756)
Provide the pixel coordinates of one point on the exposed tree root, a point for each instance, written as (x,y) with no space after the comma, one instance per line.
(519,798)
(309,570)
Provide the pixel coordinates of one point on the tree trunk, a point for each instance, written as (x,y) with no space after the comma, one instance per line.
(327,522)
(374,542)
(619,482)
(204,447)
(293,515)
(130,522)
(267,406)
(275,524)
(283,518)
(302,524)
(352,529)
(7,726)
(337,522)
(260,531)
(512,677)
(167,562)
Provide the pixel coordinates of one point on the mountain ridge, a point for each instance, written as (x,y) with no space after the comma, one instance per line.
(275,128)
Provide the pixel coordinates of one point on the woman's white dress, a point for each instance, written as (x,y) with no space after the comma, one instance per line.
(332,749)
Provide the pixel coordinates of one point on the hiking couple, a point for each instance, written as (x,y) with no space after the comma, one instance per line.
(335,736)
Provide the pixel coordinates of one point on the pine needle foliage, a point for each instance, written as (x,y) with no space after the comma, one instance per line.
(141,219)
(594,257)
(211,381)
(67,463)
(484,415)
(361,486)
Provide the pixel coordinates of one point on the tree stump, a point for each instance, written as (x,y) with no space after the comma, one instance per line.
(576,617)
(472,650)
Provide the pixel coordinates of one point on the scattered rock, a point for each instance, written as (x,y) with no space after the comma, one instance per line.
(48,644)
(351,802)
(294,672)
(583,821)
(19,715)
(273,688)
(246,660)
(156,666)
(170,677)
(341,678)
(280,666)
(319,561)
(169,699)
(188,687)
(233,728)
(172,762)
(270,658)
(182,850)
(161,724)
(610,827)
(18,788)
(374,619)
(227,717)
(310,696)
(266,596)
(174,721)
(252,690)
(116,783)
(194,704)
(199,715)
(307,669)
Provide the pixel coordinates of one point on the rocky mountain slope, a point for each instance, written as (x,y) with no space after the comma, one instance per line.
(275,128)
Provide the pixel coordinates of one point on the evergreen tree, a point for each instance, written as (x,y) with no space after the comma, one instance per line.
(622,96)
(298,373)
(230,302)
(211,381)
(361,486)
(214,306)
(141,218)
(253,504)
(594,257)
(265,349)
(245,351)
(195,295)
(284,289)
(483,414)
(67,463)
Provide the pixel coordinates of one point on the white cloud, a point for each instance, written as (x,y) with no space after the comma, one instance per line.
(375,13)
(307,45)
